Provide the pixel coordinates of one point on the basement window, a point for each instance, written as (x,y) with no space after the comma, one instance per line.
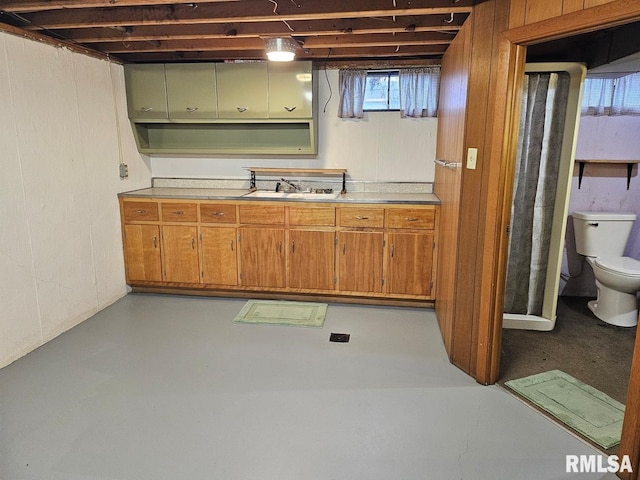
(382,91)
(607,95)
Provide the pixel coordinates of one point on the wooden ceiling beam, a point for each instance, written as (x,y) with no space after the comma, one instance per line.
(244,11)
(41,5)
(359,26)
(239,44)
(366,53)
(377,40)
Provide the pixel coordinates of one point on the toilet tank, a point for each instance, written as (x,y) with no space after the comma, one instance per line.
(600,234)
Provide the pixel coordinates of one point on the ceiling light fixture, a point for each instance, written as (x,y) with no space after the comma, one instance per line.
(281,49)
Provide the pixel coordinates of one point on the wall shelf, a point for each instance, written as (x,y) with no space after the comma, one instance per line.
(628,163)
(297,171)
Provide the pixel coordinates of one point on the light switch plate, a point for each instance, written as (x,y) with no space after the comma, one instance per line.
(472,158)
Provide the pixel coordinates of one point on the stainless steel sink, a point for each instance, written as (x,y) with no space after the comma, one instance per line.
(292,195)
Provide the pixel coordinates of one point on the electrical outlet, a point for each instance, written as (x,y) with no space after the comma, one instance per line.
(124,170)
(472,158)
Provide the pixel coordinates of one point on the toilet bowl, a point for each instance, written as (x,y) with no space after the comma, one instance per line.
(617,282)
(601,237)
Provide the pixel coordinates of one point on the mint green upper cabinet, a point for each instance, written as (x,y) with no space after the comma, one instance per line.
(191,91)
(242,90)
(146,93)
(290,90)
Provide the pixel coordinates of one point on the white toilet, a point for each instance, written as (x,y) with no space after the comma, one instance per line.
(602,237)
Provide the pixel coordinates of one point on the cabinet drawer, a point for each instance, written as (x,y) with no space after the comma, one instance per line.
(262,214)
(179,212)
(140,211)
(217,213)
(324,216)
(362,217)
(411,218)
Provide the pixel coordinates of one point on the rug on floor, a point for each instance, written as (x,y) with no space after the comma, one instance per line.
(581,407)
(275,312)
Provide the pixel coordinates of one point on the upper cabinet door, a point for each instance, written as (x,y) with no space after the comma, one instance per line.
(191,91)
(242,90)
(290,90)
(146,92)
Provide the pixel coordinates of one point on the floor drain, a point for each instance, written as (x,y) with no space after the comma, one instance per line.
(339,337)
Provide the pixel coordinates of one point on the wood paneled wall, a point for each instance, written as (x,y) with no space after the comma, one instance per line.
(525,12)
(466,296)
(450,148)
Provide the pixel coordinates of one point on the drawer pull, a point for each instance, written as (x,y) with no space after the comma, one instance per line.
(362,217)
(411,219)
(217,214)
(141,212)
(289,109)
(179,212)
(192,109)
(242,109)
(146,109)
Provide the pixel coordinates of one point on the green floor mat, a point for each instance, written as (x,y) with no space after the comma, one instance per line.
(272,312)
(581,407)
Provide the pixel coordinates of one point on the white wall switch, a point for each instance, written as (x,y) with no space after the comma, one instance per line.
(472,158)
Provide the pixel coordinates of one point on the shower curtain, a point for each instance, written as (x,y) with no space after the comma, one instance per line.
(544,108)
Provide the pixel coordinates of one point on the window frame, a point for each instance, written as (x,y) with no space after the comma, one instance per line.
(383,73)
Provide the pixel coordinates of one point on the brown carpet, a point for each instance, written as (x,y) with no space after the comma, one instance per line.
(581,345)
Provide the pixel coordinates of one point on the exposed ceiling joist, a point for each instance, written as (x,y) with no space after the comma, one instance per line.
(167,31)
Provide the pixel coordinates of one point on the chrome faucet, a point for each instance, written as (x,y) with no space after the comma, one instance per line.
(291,185)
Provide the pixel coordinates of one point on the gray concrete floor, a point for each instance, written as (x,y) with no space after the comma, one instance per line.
(165,387)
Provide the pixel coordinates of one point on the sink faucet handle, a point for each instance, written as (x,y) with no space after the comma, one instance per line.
(289,183)
(277,186)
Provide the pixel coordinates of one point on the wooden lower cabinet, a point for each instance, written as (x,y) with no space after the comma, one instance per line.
(360,261)
(375,251)
(262,257)
(180,253)
(142,253)
(219,259)
(410,263)
(311,259)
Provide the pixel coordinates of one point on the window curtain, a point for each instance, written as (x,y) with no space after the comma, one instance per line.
(604,95)
(544,109)
(352,85)
(419,92)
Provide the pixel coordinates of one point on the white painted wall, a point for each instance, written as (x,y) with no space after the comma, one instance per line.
(603,189)
(380,147)
(63,128)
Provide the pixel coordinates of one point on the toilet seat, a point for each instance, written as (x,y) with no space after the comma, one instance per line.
(623,266)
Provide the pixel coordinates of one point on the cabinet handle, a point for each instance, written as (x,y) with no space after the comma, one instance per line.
(293,247)
(280,247)
(393,250)
(411,219)
(193,243)
(242,109)
(191,109)
(289,109)
(141,211)
(146,109)
(155,242)
(232,245)
(361,217)
(344,248)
